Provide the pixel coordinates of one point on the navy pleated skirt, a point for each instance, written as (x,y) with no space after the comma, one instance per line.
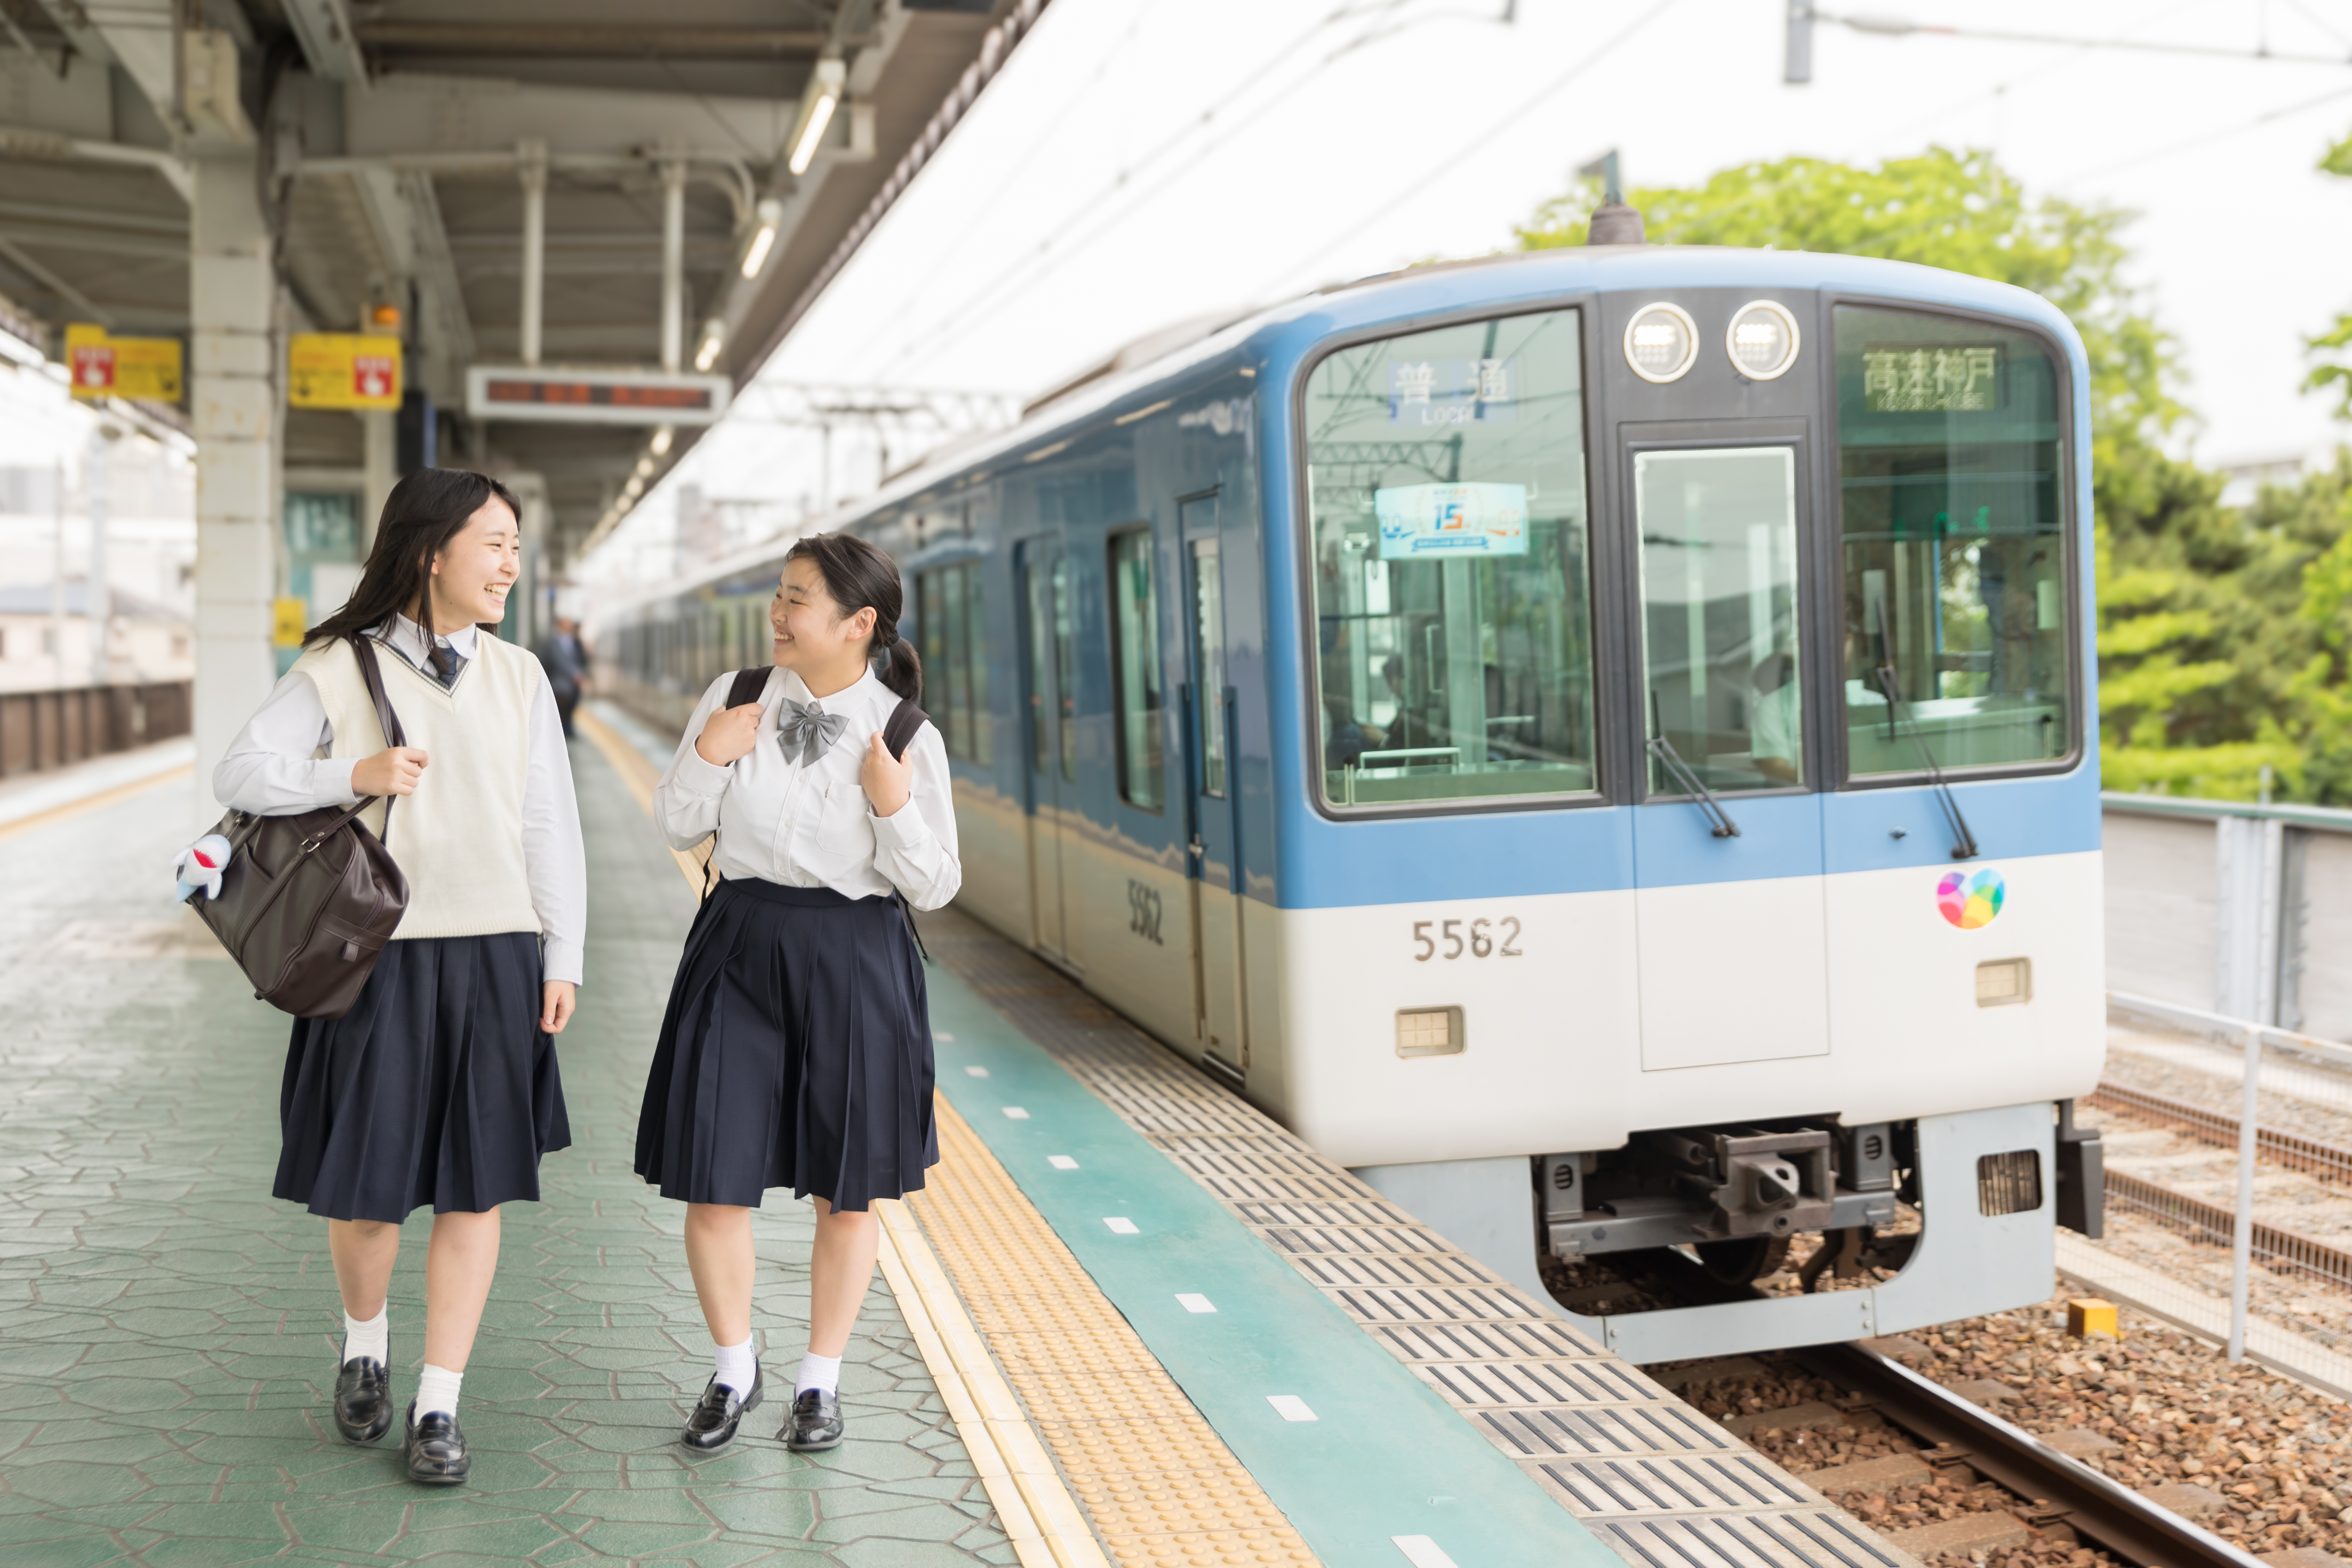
(796,1053)
(436,1088)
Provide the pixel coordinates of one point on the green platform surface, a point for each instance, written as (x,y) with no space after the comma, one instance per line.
(1385,1457)
(167,1329)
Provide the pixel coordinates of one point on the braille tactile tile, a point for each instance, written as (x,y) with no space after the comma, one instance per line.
(167,1328)
(1151,1474)
(1602,1439)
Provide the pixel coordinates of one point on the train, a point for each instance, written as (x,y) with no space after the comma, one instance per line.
(1600,740)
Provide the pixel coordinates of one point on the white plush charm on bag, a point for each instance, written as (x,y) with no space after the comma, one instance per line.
(200,866)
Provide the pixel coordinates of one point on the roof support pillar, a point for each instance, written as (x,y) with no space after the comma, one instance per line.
(673,300)
(234,396)
(531,165)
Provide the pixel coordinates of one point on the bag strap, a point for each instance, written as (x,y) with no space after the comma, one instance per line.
(749,684)
(899,732)
(363,650)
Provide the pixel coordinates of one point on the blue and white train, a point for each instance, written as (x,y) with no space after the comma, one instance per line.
(1601,741)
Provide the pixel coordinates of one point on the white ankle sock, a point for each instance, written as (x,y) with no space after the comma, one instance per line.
(735,1365)
(436,1389)
(818,1372)
(370,1337)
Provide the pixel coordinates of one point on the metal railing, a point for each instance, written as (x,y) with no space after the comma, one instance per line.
(56,728)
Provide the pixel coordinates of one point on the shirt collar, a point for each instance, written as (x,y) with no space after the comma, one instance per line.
(862,690)
(408,639)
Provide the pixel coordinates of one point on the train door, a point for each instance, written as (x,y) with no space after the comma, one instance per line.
(1727,843)
(1212,853)
(1050,757)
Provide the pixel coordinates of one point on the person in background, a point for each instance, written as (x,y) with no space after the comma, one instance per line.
(440,1085)
(565,659)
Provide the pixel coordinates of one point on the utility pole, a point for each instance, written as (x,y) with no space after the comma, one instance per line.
(58,586)
(97,600)
(1797,62)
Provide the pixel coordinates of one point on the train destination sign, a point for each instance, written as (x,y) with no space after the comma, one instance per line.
(594,397)
(1419,521)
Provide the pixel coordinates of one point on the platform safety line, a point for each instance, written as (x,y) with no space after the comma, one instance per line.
(94,802)
(1032,1501)
(638,776)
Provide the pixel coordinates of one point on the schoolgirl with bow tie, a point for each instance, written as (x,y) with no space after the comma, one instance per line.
(796,1051)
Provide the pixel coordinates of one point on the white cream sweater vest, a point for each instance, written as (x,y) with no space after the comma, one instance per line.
(458,839)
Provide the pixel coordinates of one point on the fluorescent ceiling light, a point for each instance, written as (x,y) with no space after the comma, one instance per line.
(817,105)
(772,212)
(713,333)
(662,436)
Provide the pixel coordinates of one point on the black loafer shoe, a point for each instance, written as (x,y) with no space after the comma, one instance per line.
(815,1424)
(362,1400)
(435,1449)
(720,1412)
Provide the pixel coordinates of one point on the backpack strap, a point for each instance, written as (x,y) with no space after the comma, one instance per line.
(749,684)
(745,687)
(899,732)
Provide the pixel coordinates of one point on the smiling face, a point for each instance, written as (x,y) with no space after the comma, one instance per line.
(474,571)
(813,639)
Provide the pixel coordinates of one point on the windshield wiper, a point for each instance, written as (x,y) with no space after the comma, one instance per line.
(1701,796)
(1964,843)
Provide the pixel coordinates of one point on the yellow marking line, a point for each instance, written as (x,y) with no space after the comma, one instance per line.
(1033,1503)
(93,803)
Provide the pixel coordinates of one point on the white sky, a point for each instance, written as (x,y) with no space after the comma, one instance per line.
(1143,160)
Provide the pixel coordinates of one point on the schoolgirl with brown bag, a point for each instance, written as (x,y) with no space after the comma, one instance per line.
(438,1084)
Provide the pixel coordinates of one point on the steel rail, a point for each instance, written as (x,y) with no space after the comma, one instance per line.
(2312,1156)
(2103,1511)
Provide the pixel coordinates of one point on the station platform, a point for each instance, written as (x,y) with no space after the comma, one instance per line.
(1129,1320)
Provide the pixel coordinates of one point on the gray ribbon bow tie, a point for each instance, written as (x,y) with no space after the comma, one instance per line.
(809,731)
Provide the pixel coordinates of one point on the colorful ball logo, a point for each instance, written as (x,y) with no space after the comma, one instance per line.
(1971,899)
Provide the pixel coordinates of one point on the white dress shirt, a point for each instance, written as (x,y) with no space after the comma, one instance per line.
(812,826)
(277,766)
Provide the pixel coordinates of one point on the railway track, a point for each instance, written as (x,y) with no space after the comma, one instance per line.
(2056,1489)
(2206,1222)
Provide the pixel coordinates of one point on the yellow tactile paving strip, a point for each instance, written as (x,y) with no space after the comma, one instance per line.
(1160,1486)
(1030,1356)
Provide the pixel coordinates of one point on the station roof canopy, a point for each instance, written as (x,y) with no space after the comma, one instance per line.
(397,141)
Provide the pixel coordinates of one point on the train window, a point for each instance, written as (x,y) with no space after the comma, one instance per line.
(955,659)
(1135,670)
(1452,604)
(1952,514)
(1718,529)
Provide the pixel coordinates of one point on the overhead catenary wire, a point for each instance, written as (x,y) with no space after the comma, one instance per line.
(1057,247)
(1437,170)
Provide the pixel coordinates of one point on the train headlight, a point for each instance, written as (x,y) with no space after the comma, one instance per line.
(1762,340)
(1661,342)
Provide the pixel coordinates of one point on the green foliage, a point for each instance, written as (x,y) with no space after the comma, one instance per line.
(2221,631)
(2335,373)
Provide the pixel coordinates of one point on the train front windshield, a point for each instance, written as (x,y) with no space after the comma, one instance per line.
(1445,474)
(1453,605)
(1951,508)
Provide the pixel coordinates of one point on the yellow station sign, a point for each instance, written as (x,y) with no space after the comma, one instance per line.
(104,366)
(343,369)
(288,620)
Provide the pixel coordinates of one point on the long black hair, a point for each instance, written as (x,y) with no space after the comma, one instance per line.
(421,515)
(857,574)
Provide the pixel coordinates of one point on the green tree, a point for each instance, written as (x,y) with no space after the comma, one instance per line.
(2210,663)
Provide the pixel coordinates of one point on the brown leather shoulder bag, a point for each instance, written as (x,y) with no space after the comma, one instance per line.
(307,900)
